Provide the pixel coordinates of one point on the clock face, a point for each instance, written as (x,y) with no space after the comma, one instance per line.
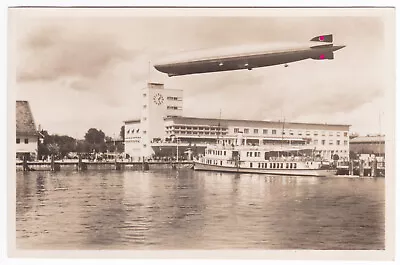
(158,99)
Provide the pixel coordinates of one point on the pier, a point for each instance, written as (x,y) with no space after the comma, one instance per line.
(81,165)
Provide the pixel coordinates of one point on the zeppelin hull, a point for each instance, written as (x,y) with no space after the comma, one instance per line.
(285,172)
(219,64)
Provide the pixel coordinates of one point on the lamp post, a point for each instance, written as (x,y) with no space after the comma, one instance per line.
(177,150)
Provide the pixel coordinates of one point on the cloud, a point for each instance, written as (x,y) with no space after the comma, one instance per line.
(52,53)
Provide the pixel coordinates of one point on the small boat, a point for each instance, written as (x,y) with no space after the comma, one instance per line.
(273,160)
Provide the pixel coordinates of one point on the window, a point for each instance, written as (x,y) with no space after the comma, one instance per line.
(300,133)
(323,142)
(330,133)
(338,134)
(235,130)
(172,107)
(251,164)
(338,142)
(315,133)
(345,142)
(18,140)
(291,132)
(144,106)
(283,132)
(273,131)
(308,133)
(323,133)
(255,131)
(26,140)
(330,142)
(345,134)
(246,130)
(265,131)
(144,95)
(315,142)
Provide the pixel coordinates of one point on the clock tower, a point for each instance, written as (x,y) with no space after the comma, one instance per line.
(158,103)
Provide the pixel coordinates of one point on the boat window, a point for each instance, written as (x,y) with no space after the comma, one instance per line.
(273,165)
(295,165)
(251,164)
(281,165)
(291,165)
(287,165)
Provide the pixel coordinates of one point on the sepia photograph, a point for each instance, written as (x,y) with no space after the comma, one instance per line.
(232,131)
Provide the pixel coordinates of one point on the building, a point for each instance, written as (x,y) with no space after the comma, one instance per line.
(26,134)
(162,125)
(368,145)
(157,103)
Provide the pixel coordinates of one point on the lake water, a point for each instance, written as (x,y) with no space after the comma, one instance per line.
(185,209)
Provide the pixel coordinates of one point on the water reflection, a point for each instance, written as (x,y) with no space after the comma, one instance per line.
(184,209)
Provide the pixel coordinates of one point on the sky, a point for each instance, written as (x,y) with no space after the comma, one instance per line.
(85,68)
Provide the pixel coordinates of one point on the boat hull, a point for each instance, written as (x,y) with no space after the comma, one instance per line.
(285,172)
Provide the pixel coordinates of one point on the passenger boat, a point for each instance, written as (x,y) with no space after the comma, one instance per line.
(274,160)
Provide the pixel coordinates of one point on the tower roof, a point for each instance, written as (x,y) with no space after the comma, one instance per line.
(25,124)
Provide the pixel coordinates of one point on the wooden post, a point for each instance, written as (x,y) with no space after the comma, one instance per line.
(374,167)
(351,167)
(52,162)
(25,163)
(361,167)
(79,162)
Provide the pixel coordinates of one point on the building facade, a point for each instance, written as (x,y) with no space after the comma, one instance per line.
(162,124)
(157,103)
(368,145)
(26,134)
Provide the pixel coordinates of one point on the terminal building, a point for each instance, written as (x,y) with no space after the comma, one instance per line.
(368,145)
(162,128)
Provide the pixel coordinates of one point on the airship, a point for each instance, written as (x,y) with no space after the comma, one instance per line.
(247,57)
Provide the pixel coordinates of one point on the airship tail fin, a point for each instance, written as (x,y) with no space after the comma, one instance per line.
(323,38)
(324,56)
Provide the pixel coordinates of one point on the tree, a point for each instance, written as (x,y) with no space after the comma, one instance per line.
(94,136)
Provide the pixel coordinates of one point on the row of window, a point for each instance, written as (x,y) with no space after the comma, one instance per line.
(338,142)
(216,152)
(195,128)
(256,154)
(133,130)
(213,162)
(26,140)
(169,98)
(195,133)
(276,165)
(174,107)
(291,132)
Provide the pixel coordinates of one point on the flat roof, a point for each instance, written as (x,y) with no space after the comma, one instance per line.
(368,139)
(132,121)
(221,121)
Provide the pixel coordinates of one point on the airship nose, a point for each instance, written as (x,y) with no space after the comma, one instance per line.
(338,47)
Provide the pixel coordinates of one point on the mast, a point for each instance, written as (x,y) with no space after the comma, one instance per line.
(219,126)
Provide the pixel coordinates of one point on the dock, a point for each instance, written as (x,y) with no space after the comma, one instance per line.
(109,165)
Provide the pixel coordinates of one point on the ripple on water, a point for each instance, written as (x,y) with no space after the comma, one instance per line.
(163,210)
